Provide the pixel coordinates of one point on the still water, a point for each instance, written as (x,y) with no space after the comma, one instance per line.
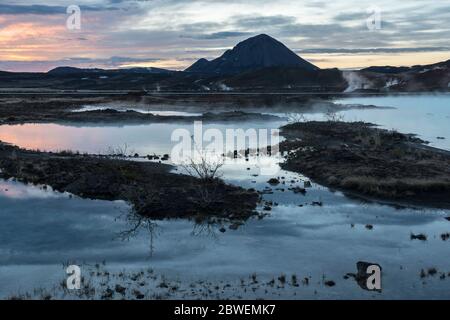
(41,229)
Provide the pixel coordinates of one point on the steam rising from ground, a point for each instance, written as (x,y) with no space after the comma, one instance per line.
(356,81)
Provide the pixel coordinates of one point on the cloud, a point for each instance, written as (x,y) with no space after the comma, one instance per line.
(263,21)
(81,62)
(11,9)
(218,35)
(351,16)
(372,50)
(178,30)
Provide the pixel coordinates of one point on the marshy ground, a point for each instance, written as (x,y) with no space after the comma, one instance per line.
(361,159)
(152,190)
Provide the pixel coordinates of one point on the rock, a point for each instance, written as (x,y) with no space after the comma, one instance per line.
(423,274)
(138,294)
(330,283)
(420,237)
(349,275)
(448,218)
(307,184)
(234,226)
(222,230)
(267,208)
(120,289)
(299,190)
(108,294)
(369,227)
(317,203)
(432,271)
(273,182)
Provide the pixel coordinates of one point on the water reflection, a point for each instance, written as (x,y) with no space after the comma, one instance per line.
(41,228)
(425,115)
(144,139)
(136,224)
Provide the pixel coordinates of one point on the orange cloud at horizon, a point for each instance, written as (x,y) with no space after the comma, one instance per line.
(46,41)
(357,61)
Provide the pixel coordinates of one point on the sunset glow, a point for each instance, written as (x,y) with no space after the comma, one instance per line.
(174,34)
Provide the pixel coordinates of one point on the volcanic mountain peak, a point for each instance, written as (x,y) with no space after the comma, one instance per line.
(258,52)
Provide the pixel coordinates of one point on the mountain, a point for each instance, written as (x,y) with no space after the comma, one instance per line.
(416,68)
(73,70)
(255,53)
(259,64)
(386,69)
(198,65)
(419,78)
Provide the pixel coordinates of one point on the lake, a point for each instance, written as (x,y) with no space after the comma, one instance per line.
(41,229)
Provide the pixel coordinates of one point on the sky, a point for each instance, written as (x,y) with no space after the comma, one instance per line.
(175,33)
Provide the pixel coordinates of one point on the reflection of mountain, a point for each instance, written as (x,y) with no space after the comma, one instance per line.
(257,64)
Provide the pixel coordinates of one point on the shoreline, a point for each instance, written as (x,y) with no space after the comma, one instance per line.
(213,108)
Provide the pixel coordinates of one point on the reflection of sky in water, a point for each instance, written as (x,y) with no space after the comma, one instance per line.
(308,240)
(40,229)
(20,191)
(143,139)
(427,116)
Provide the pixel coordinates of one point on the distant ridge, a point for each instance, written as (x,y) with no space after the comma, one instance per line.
(73,70)
(254,53)
(416,68)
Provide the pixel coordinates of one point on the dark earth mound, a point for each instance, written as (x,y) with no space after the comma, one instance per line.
(150,188)
(362,160)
